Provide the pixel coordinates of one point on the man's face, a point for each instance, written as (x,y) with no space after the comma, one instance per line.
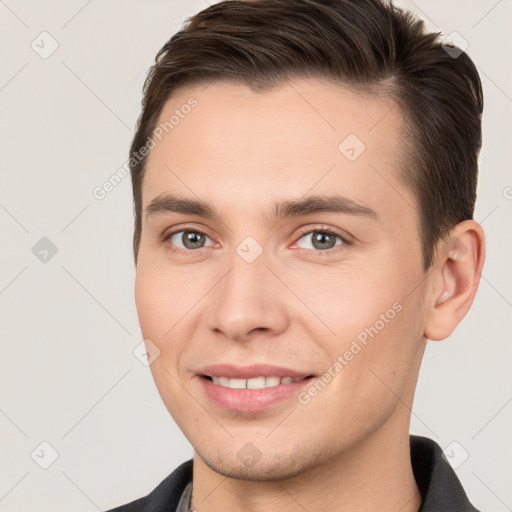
(246,288)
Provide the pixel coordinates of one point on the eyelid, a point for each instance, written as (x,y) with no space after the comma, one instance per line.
(322,228)
(167,235)
(345,238)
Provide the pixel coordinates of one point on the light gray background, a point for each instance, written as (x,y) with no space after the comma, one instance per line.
(68,327)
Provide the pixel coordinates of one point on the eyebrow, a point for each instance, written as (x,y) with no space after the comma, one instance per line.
(168,203)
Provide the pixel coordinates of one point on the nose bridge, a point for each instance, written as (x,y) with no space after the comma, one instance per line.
(245,298)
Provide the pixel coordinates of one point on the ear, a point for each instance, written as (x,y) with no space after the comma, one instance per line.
(455,279)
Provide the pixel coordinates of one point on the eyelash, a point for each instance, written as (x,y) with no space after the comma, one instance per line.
(319,229)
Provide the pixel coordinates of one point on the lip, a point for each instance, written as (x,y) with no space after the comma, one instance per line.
(247,372)
(250,400)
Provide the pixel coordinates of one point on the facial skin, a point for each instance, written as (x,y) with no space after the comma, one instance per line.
(296,305)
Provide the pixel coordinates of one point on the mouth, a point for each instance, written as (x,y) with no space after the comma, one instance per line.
(258,382)
(252,388)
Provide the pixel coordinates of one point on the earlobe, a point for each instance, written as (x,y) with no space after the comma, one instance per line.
(456,277)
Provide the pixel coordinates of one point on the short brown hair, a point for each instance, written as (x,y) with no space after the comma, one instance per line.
(363,44)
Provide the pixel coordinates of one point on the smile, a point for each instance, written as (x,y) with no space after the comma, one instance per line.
(253,383)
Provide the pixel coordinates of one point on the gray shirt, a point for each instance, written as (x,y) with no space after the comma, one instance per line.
(186,498)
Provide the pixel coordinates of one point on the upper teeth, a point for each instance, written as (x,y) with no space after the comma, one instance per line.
(254,383)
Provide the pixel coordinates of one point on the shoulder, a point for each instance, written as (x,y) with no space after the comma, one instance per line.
(165,496)
(438,483)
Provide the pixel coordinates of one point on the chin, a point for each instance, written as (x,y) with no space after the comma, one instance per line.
(265,469)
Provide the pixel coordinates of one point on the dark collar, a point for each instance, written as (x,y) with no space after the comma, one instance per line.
(440,488)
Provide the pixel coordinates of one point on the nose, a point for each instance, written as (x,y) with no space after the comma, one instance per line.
(247,301)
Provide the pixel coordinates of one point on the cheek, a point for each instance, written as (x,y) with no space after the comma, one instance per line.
(162,297)
(169,302)
(370,368)
(151,304)
(160,306)
(348,299)
(368,324)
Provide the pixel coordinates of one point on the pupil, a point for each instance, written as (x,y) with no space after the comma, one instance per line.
(323,238)
(192,240)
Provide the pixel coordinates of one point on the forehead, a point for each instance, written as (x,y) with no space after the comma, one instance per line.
(244,147)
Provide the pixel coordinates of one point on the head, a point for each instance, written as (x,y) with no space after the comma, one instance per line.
(277,131)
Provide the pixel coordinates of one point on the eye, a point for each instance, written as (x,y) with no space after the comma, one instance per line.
(319,240)
(322,239)
(188,238)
